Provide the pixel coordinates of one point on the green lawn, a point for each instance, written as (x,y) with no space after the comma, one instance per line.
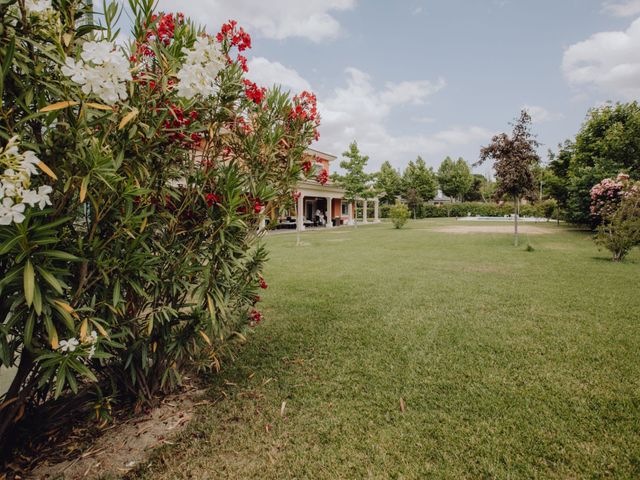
(512,364)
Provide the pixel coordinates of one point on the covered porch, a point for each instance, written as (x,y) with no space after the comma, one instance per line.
(324,206)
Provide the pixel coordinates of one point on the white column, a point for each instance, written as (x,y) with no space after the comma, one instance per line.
(300,211)
(350,209)
(263,220)
(376,208)
(364,211)
(329,212)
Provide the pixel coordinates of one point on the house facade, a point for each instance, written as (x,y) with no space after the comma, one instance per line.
(324,205)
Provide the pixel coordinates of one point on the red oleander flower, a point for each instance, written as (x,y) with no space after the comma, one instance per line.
(177,122)
(306,167)
(323,177)
(211,199)
(263,284)
(256,299)
(235,35)
(257,206)
(305,109)
(253,92)
(162,30)
(242,61)
(296,196)
(256,316)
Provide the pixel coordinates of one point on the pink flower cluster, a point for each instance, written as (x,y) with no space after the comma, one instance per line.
(606,195)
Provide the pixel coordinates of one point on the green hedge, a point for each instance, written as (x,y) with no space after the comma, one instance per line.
(469,208)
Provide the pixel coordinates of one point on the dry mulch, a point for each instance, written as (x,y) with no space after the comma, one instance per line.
(116,449)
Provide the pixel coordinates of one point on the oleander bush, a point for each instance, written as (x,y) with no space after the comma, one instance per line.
(133,182)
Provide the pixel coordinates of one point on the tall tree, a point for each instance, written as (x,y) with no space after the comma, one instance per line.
(355,181)
(446,174)
(417,176)
(608,143)
(463,178)
(388,183)
(455,178)
(514,159)
(475,192)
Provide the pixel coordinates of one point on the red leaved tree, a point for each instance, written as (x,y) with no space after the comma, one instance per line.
(514,157)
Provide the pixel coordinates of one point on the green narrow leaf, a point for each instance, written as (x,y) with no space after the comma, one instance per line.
(116,293)
(28,329)
(212,310)
(71,380)
(52,333)
(29,282)
(50,279)
(64,315)
(60,377)
(59,255)
(8,58)
(37,299)
(7,246)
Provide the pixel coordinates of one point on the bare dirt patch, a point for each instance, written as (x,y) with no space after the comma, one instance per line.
(529,229)
(123,446)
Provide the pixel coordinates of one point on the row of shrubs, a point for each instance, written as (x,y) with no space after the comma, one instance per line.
(546,209)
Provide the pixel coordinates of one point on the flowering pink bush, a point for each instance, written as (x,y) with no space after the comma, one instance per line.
(606,195)
(617,205)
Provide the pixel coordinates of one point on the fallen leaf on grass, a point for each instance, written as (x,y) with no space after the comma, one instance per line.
(284,404)
(403,406)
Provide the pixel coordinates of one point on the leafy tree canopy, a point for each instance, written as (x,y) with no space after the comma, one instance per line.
(355,181)
(455,178)
(420,179)
(514,158)
(608,143)
(388,183)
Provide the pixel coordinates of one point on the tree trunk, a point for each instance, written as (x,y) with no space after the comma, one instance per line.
(515,224)
(15,400)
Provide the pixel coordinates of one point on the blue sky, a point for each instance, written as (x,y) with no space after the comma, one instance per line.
(438,77)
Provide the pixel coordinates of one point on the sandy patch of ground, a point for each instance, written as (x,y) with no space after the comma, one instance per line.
(123,446)
(528,229)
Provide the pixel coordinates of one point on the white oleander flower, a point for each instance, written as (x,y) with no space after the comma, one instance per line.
(15,182)
(97,52)
(11,212)
(37,6)
(30,162)
(68,345)
(40,197)
(74,70)
(103,71)
(201,67)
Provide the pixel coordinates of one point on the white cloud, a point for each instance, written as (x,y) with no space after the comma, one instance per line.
(357,110)
(607,61)
(277,19)
(541,114)
(414,92)
(268,73)
(417,11)
(627,8)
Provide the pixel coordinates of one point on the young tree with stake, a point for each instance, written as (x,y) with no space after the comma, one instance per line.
(514,159)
